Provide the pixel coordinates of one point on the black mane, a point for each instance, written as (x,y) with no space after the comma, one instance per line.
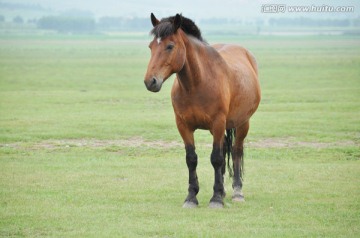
(166,28)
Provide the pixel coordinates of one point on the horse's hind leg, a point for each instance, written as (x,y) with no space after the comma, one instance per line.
(238,153)
(217,161)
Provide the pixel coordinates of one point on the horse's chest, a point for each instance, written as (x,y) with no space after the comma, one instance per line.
(193,114)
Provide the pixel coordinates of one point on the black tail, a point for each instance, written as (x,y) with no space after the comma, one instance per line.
(228,144)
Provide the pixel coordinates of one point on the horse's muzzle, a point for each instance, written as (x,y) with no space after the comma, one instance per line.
(153,84)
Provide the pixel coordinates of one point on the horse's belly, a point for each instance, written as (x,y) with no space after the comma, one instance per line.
(236,120)
(240,112)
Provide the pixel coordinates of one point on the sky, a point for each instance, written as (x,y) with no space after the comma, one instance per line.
(236,9)
(142,8)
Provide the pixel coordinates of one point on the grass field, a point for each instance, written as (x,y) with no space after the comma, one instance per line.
(86,150)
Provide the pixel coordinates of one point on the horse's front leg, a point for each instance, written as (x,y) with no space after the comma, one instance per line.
(217,161)
(191,161)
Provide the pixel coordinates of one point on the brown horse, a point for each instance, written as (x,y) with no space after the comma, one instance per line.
(216,89)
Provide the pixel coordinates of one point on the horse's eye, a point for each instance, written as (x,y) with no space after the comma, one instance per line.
(169,47)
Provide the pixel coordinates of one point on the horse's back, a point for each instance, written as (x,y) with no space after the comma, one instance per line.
(244,82)
(235,56)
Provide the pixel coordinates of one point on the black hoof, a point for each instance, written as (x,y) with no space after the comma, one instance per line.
(238,196)
(188,204)
(191,202)
(216,202)
(216,205)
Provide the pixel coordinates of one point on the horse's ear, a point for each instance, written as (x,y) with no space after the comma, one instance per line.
(154,21)
(177,22)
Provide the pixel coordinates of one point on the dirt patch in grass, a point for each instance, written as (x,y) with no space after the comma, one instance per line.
(292,143)
(93,143)
(134,142)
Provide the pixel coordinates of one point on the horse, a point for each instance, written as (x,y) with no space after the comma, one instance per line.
(216,88)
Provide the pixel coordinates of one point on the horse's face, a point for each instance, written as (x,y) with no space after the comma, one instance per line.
(167,57)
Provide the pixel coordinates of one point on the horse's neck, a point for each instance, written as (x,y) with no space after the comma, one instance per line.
(192,72)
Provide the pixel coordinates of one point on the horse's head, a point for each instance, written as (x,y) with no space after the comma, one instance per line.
(167,52)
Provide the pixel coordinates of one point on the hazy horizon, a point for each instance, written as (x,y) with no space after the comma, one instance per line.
(235,9)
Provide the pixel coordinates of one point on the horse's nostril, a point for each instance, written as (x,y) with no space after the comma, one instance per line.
(153,82)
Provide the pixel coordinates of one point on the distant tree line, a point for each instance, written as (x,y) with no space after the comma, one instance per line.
(83,22)
(88,24)
(300,22)
(15,6)
(67,24)
(122,23)
(18,20)
(310,22)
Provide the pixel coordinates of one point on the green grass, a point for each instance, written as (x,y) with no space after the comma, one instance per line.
(73,108)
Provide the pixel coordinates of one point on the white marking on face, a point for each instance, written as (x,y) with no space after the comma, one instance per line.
(158,40)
